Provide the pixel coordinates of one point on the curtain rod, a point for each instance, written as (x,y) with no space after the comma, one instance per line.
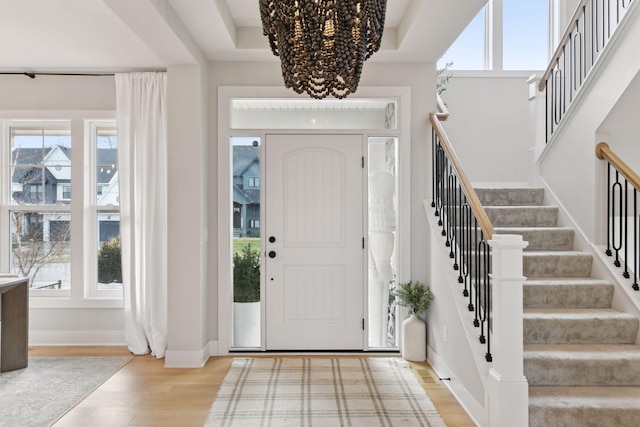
(33,75)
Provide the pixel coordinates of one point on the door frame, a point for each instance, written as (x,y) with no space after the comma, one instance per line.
(224,201)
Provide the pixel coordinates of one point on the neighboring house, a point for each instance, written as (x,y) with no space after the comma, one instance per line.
(43,176)
(246,191)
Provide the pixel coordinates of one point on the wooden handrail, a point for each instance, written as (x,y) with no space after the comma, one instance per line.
(443,113)
(465,184)
(559,50)
(603,152)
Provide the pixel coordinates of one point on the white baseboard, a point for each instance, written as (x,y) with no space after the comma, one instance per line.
(50,338)
(213,348)
(474,409)
(186,359)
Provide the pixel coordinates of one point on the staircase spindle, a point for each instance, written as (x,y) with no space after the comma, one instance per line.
(620,233)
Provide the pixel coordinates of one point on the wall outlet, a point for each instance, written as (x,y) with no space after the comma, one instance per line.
(445,332)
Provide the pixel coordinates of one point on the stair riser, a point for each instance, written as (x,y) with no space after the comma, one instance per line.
(583,417)
(544,240)
(545,265)
(567,296)
(510,196)
(522,217)
(582,331)
(579,372)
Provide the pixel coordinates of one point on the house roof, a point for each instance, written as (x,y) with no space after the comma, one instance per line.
(243,157)
(25,158)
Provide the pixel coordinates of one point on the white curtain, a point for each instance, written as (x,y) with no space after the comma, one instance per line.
(142,168)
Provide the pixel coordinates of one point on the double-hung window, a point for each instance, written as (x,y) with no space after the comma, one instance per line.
(59,213)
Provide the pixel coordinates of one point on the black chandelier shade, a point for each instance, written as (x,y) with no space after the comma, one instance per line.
(322,44)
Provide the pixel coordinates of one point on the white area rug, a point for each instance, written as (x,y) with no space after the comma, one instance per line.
(49,387)
(317,392)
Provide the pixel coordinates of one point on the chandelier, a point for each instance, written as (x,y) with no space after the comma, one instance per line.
(322,44)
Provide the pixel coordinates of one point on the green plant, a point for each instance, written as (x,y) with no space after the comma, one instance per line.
(441,84)
(110,261)
(416,296)
(246,275)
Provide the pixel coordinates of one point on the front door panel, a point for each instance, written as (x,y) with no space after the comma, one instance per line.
(314,254)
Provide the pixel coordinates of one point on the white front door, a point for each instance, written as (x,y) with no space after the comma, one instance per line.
(314,242)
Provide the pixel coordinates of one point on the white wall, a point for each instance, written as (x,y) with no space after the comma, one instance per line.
(419,77)
(187,98)
(488,125)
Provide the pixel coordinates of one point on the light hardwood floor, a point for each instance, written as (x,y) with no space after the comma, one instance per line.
(145,393)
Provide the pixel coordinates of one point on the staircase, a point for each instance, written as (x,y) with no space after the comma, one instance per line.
(580,356)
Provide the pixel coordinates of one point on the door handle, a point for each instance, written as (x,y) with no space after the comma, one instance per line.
(272,254)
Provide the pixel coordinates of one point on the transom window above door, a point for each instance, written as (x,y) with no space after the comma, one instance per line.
(266,113)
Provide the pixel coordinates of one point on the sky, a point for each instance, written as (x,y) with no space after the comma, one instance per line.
(525,24)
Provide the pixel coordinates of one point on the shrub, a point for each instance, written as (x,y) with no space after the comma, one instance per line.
(246,275)
(110,262)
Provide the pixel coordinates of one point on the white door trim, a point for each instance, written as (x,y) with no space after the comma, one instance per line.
(220,243)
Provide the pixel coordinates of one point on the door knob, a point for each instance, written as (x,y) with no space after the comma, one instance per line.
(272,254)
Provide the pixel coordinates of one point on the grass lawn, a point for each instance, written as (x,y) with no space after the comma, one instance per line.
(240,243)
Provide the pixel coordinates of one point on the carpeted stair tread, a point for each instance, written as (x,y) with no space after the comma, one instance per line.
(542,238)
(584,406)
(579,326)
(510,196)
(542,264)
(567,292)
(582,364)
(522,216)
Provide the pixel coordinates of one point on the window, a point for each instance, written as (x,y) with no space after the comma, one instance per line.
(253,182)
(505,35)
(66,192)
(39,223)
(106,201)
(37,206)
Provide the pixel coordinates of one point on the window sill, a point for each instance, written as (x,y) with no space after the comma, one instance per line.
(68,302)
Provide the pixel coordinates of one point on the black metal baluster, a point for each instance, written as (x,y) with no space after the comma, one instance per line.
(476,270)
(625,233)
(609,211)
(635,241)
(456,224)
(434,160)
(488,308)
(482,290)
(616,245)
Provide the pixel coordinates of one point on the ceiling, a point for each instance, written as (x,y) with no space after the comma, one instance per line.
(122,35)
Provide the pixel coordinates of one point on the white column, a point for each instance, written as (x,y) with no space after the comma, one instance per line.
(508,387)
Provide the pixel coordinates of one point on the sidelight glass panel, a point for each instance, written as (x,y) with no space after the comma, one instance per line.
(382,209)
(246,241)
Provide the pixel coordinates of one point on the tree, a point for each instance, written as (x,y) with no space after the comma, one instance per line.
(31,248)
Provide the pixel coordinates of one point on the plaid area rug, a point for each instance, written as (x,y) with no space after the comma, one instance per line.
(317,392)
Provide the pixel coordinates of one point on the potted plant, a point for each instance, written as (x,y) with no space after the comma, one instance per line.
(417,297)
(246,298)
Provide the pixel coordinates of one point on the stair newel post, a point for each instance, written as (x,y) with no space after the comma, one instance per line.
(509,391)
